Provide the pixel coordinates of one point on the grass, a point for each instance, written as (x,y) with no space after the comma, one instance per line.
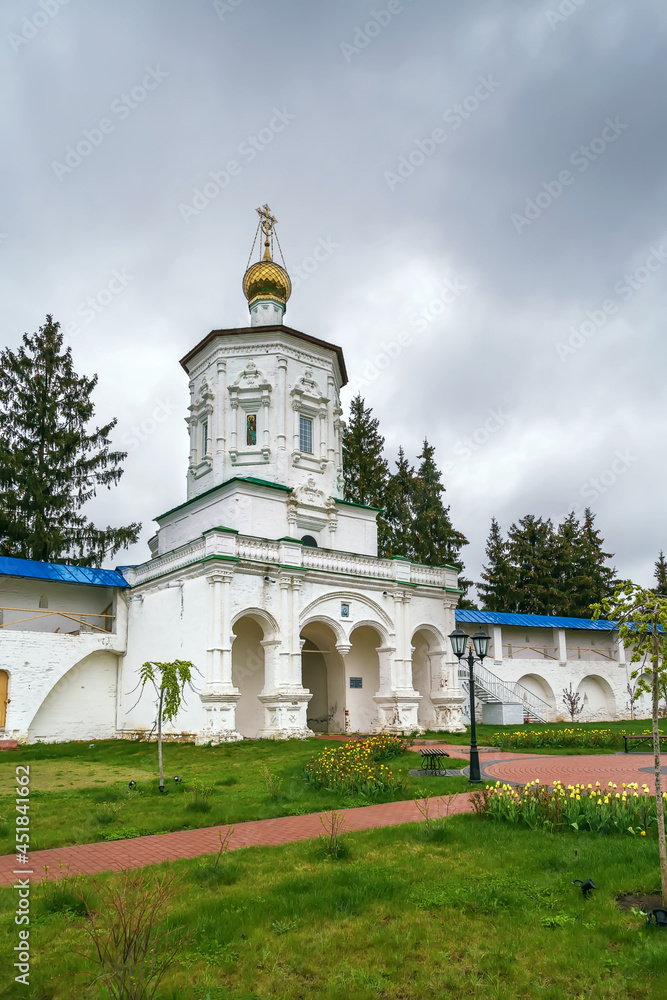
(79,794)
(487,912)
(485,734)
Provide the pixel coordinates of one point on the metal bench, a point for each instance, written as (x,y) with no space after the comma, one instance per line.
(430,756)
(642,739)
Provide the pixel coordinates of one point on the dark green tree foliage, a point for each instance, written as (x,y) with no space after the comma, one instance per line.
(660,575)
(531,550)
(50,464)
(435,540)
(542,570)
(399,510)
(365,469)
(593,579)
(497,588)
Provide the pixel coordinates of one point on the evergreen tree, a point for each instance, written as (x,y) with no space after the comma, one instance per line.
(498,586)
(50,465)
(365,469)
(399,512)
(592,579)
(567,545)
(532,552)
(434,538)
(660,575)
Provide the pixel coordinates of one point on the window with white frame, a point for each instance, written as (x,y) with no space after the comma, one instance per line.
(204,437)
(306,435)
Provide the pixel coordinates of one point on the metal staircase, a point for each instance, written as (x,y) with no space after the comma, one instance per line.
(489,687)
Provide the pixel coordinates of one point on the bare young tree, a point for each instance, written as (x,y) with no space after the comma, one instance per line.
(573,702)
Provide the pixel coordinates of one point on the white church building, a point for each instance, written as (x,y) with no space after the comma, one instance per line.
(269,582)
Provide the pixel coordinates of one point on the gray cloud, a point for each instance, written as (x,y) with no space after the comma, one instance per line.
(356,114)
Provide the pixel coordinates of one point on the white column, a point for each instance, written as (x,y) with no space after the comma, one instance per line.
(271,649)
(398,664)
(265,425)
(282,403)
(294,679)
(285,631)
(234,419)
(497,645)
(621,652)
(331,394)
(562,647)
(323,434)
(295,412)
(220,412)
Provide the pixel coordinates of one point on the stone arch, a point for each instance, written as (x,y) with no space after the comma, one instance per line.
(323,674)
(336,627)
(350,596)
(378,626)
(265,620)
(598,698)
(539,686)
(81,705)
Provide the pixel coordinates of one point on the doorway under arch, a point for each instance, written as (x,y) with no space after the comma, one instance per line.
(248,675)
(323,674)
(598,698)
(362,679)
(425,645)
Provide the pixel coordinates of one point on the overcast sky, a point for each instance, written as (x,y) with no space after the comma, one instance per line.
(486,183)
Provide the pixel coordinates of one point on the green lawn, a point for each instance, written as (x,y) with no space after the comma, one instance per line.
(486,911)
(485,733)
(79,794)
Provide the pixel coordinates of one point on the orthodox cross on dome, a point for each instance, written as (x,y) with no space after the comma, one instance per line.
(267,222)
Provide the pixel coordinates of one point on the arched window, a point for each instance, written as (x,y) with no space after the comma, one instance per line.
(309,540)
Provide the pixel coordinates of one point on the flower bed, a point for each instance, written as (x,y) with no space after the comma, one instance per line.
(533,739)
(355,768)
(577,807)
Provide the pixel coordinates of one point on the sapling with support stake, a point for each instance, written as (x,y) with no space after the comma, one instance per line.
(168,680)
(641,618)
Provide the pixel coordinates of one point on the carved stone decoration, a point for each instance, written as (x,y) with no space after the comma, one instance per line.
(250,378)
(308,493)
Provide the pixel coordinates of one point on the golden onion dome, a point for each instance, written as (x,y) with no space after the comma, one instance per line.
(267,280)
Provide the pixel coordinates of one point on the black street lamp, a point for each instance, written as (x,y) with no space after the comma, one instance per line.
(459,640)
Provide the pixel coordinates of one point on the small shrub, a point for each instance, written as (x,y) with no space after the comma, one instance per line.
(64,895)
(132,942)
(331,843)
(283,926)
(273,783)
(435,813)
(222,871)
(198,806)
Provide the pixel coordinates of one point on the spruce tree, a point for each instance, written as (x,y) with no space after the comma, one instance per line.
(567,548)
(50,463)
(532,552)
(365,469)
(592,580)
(660,574)
(498,585)
(435,539)
(399,512)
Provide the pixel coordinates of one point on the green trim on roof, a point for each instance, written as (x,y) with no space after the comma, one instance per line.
(288,538)
(216,556)
(453,590)
(457,569)
(300,569)
(403,559)
(364,506)
(229,531)
(234,479)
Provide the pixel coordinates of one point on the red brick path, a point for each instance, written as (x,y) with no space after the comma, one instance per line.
(116,855)
(120,854)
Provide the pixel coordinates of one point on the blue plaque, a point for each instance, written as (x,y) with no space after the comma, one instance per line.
(355,682)
(345,610)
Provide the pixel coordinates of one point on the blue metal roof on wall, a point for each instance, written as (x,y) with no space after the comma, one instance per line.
(532,621)
(61,572)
